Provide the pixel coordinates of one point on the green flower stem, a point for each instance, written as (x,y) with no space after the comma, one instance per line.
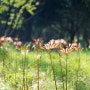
(61,71)
(78,70)
(53,71)
(66,71)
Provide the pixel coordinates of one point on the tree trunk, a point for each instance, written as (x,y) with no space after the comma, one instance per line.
(72,32)
(27,27)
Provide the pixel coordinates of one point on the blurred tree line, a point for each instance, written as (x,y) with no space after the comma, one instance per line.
(49,19)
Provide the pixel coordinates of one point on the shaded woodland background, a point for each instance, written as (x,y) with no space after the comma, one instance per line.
(49,19)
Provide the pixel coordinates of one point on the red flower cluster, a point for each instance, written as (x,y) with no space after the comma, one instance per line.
(15,41)
(54,44)
(62,45)
(37,42)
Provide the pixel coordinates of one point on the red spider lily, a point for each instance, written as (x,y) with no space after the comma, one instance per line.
(54,44)
(2,38)
(18,44)
(9,39)
(37,41)
(62,41)
(64,50)
(75,46)
(16,39)
(70,47)
(49,45)
(6,39)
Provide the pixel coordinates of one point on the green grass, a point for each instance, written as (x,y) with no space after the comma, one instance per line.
(13,70)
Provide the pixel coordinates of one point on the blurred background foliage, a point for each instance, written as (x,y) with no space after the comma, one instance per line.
(68,19)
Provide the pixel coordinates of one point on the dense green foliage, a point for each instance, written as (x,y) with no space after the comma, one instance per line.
(11,70)
(12,14)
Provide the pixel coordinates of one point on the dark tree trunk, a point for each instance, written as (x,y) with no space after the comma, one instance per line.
(72,32)
(85,36)
(27,27)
